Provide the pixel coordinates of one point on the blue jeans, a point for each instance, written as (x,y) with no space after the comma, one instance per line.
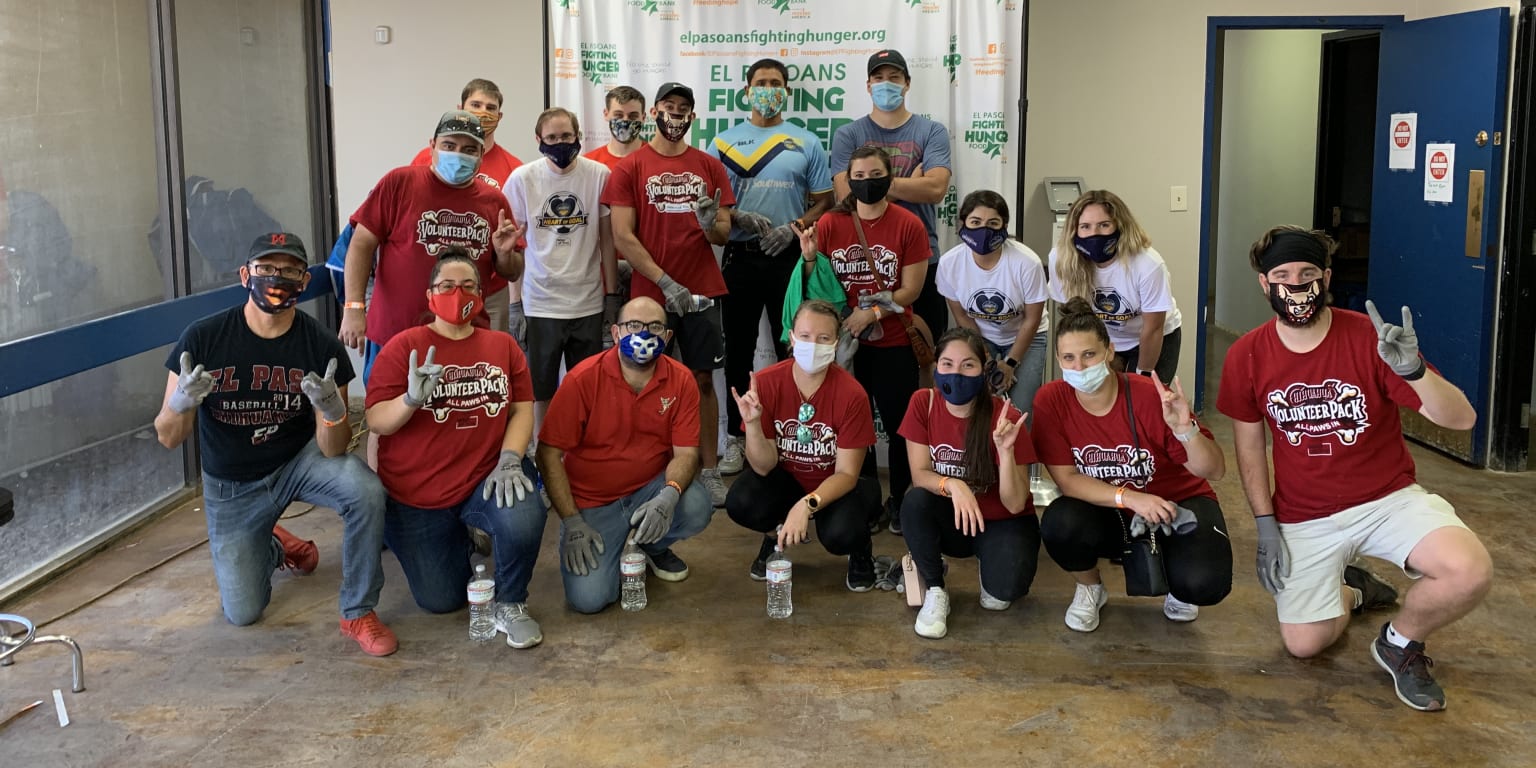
(600,587)
(1027,378)
(245,552)
(433,545)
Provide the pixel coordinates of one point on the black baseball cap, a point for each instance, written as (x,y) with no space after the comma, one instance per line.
(285,243)
(888,58)
(458,122)
(675,89)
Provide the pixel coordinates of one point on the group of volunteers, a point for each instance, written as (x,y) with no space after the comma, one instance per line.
(490,276)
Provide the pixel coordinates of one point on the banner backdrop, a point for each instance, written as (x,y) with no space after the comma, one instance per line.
(963,57)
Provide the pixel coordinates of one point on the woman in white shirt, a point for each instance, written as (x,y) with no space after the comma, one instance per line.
(1106,258)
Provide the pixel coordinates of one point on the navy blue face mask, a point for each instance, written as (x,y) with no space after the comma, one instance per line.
(958,388)
(983,240)
(1098,249)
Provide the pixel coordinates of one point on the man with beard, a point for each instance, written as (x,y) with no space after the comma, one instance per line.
(618,451)
(1344,481)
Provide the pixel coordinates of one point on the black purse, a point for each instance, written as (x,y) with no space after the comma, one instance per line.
(1145,573)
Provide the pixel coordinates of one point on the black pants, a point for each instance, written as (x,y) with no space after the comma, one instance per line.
(889,375)
(930,304)
(1199,564)
(761,504)
(1008,550)
(756,282)
(1167,360)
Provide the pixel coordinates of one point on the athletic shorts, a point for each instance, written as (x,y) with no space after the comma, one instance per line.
(551,339)
(698,339)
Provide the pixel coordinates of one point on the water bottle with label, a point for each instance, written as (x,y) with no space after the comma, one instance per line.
(482,606)
(701,303)
(632,570)
(780,580)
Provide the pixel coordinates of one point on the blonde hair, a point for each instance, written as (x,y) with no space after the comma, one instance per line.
(1074,269)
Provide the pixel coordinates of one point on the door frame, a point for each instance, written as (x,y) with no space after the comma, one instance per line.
(1509,407)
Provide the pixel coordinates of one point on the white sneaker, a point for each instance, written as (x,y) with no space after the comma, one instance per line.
(522,631)
(1083,614)
(735,457)
(993,604)
(1178,610)
(931,619)
(714,484)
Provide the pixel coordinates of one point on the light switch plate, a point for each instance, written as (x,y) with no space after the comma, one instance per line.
(1178,198)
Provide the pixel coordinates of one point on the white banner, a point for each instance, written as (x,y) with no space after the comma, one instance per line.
(963,57)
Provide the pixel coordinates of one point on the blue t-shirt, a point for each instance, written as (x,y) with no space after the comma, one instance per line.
(256,419)
(772,170)
(918,141)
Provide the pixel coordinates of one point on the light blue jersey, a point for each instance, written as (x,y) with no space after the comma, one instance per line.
(772,170)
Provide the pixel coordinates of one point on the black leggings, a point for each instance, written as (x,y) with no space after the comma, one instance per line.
(761,504)
(889,375)
(1008,550)
(1167,360)
(1199,564)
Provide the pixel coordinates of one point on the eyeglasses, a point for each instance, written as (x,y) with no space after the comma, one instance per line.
(803,432)
(269,270)
(447,286)
(560,138)
(636,326)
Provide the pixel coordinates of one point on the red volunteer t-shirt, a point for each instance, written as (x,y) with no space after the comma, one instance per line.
(615,440)
(602,155)
(1336,433)
(928,422)
(415,215)
(496,168)
(897,239)
(662,190)
(842,420)
(1102,447)
(453,441)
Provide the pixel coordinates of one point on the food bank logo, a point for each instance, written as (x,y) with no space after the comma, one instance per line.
(599,62)
(952,60)
(987,133)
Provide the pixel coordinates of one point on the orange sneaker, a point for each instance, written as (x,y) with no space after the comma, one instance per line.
(371,635)
(298,554)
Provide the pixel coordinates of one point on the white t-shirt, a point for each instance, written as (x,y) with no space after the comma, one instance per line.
(562,276)
(995,298)
(1123,290)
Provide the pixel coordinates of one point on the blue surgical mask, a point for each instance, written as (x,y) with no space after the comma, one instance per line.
(1098,249)
(1088,380)
(983,240)
(958,388)
(456,168)
(887,96)
(641,348)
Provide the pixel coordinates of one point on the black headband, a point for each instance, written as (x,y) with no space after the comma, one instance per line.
(1287,247)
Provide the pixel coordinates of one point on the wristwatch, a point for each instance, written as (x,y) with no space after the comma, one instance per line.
(1194,428)
(1010,362)
(812,503)
(1143,372)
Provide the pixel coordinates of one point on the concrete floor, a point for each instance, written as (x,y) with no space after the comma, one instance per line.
(703,678)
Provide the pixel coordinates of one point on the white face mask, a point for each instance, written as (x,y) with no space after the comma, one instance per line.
(813,357)
(1088,380)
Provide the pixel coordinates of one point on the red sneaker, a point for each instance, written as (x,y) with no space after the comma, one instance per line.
(298,554)
(371,635)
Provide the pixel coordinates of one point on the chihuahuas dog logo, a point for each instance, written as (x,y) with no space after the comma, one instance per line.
(1319,410)
(666,403)
(469,388)
(1118,465)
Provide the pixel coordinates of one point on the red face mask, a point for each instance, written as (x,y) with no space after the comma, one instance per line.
(456,307)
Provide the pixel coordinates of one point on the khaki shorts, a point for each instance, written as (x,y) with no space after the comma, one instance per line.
(1387,528)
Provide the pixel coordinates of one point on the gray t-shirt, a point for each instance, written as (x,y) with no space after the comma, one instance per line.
(918,141)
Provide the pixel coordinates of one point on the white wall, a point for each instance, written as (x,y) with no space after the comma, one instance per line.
(1268,156)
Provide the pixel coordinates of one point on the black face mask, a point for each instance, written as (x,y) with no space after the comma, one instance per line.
(563,154)
(263,288)
(1298,305)
(870,191)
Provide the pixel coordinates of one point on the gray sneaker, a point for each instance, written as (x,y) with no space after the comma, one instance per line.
(735,457)
(1409,668)
(714,484)
(522,631)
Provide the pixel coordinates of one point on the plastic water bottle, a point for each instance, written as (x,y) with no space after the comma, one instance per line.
(780,581)
(701,303)
(482,606)
(632,569)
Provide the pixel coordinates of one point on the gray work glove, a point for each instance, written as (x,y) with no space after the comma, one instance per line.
(192,385)
(1397,345)
(517,324)
(678,300)
(706,209)
(653,519)
(1183,522)
(881,299)
(507,480)
(752,223)
(580,544)
(420,381)
(612,303)
(777,239)
(323,393)
(1274,561)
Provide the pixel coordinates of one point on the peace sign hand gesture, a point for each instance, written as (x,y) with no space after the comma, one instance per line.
(749,405)
(1007,432)
(1176,411)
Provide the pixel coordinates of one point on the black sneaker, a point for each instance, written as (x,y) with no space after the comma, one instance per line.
(759,570)
(1377,593)
(893,511)
(1409,668)
(666,565)
(861,573)
(878,523)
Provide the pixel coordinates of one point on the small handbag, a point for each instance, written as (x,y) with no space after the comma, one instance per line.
(919,335)
(1146,575)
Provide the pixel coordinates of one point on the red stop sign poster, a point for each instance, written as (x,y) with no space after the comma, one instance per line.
(1402,134)
(1439,172)
(1438,163)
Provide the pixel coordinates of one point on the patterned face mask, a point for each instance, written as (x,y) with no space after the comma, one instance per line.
(766,101)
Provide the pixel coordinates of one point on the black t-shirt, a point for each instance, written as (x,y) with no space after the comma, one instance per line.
(257,418)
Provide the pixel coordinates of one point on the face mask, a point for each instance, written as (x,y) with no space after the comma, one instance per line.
(266,290)
(488,121)
(672,130)
(1098,249)
(625,131)
(887,96)
(1088,380)
(958,388)
(813,357)
(983,240)
(456,168)
(768,102)
(870,191)
(562,155)
(641,348)
(454,308)
(1297,305)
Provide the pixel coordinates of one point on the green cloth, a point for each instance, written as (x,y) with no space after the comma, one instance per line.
(820,284)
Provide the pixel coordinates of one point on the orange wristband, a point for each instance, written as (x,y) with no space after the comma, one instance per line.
(877,312)
(1120,497)
(329,423)
(943,481)
(354,305)
(674,484)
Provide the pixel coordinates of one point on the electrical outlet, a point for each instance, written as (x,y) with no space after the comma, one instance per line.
(1178,198)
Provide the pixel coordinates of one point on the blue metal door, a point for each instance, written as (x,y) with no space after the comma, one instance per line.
(1441,259)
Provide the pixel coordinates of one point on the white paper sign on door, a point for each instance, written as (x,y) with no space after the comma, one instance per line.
(1439,172)
(1403,139)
